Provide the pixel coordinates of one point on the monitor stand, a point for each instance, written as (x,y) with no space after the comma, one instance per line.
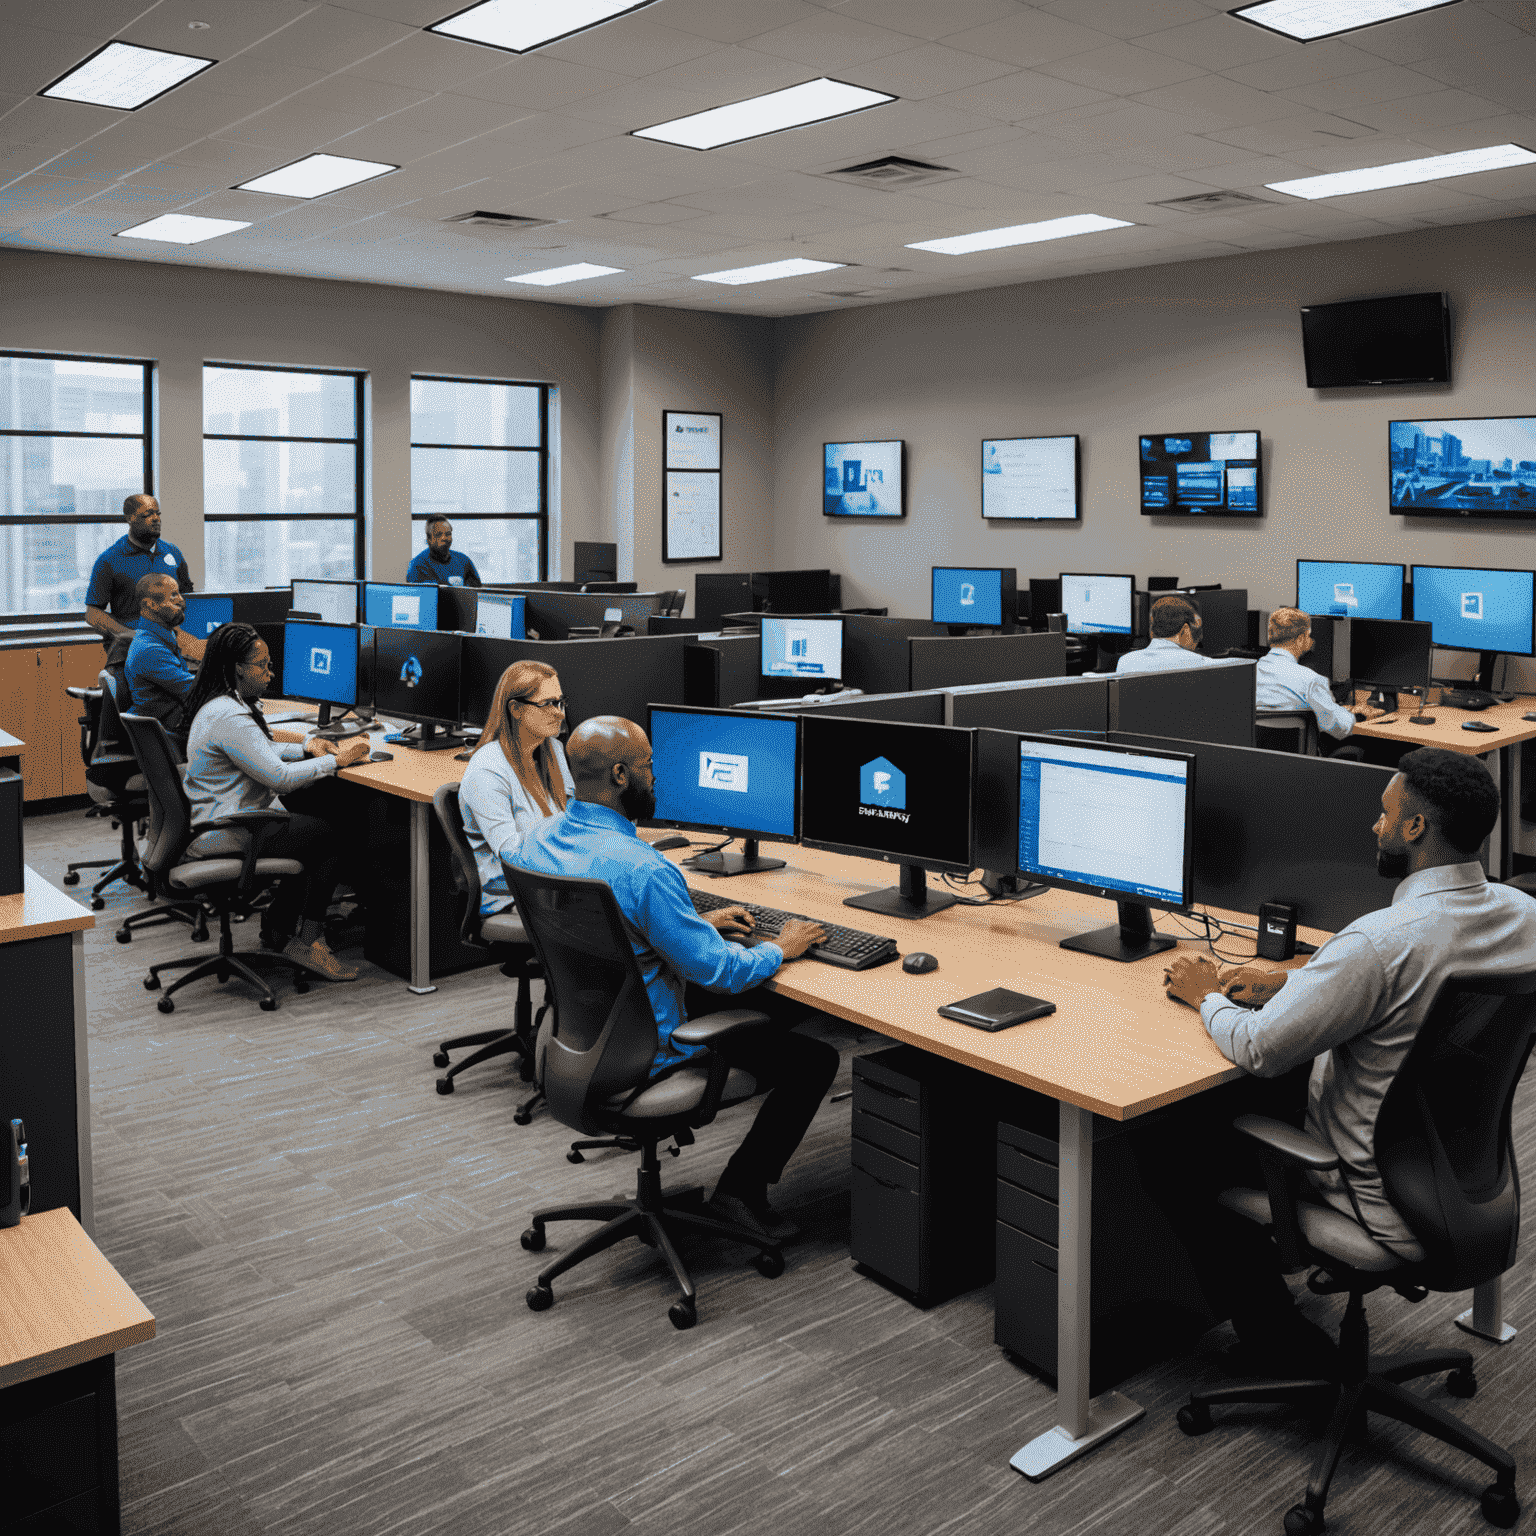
(425,738)
(1486,661)
(1131,938)
(910,899)
(340,730)
(719,862)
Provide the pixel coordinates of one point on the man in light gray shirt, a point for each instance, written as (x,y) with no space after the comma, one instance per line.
(1282,683)
(1175,626)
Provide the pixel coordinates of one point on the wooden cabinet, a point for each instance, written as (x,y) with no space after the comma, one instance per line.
(34,706)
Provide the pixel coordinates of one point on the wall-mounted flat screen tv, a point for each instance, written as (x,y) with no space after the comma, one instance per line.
(1476,466)
(1029,479)
(1404,340)
(1200,474)
(864,480)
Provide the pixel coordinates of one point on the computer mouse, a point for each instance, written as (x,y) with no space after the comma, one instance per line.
(1528,717)
(381,757)
(1477,725)
(918,963)
(662,844)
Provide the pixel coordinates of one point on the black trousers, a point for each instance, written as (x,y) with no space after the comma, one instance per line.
(327,832)
(795,1070)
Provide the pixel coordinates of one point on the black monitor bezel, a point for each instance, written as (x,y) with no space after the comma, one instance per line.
(1061,598)
(1077,477)
(1500,570)
(707,826)
(1008,598)
(936,866)
(448,636)
(1258,470)
(819,618)
(362,603)
(356,631)
(856,517)
(333,581)
(1362,680)
(1461,514)
(1402,569)
(1110,893)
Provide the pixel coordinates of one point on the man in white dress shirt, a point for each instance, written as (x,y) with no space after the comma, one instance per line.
(1282,683)
(1175,626)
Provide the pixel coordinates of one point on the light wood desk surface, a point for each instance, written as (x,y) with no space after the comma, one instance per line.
(39,911)
(1447,731)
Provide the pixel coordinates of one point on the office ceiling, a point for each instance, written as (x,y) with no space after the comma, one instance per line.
(1112,107)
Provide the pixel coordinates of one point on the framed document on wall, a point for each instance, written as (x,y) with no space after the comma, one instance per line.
(690,522)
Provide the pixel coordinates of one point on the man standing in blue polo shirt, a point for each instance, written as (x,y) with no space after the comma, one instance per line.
(437,563)
(158,678)
(115,576)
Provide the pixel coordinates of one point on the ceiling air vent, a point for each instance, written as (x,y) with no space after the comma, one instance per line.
(512,223)
(893,171)
(1215,202)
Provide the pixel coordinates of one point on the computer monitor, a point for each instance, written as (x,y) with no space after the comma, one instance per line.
(880,790)
(730,771)
(809,651)
(416,677)
(596,562)
(1096,604)
(1492,612)
(500,615)
(1030,478)
(321,665)
(1389,654)
(1114,822)
(1350,589)
(1464,467)
(717,593)
(334,601)
(206,611)
(982,596)
(1200,474)
(795,591)
(400,605)
(863,479)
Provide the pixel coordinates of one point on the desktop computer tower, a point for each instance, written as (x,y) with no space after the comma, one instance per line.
(12,857)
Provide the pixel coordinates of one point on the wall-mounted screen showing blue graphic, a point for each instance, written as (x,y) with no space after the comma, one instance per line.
(1096,604)
(406,606)
(500,614)
(863,480)
(205,612)
(1476,610)
(1200,474)
(1350,589)
(1479,466)
(726,771)
(811,649)
(962,595)
(1030,479)
(320,663)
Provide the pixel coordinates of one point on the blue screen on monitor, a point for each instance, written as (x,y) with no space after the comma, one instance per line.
(1349,589)
(733,771)
(320,662)
(962,596)
(205,614)
(409,606)
(1474,610)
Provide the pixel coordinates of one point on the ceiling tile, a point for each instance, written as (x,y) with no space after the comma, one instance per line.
(1122,69)
(1455,29)
(410,13)
(728,74)
(232,160)
(234,24)
(1388,82)
(922,18)
(1129,18)
(188,180)
(927,70)
(830,42)
(1305,66)
(631,45)
(100,19)
(454,118)
(1029,39)
(654,213)
(36,195)
(388,142)
(776,226)
(108,157)
(293,131)
(530,138)
(1294,133)
(1151,189)
(1212,102)
(536,84)
(1516,12)
(57,124)
(1513,128)
(957,143)
(1436,109)
(253,75)
(730,21)
(1022,95)
(363,98)
(1219,42)
(639,104)
(1252,174)
(425,61)
(1506,74)
(33,58)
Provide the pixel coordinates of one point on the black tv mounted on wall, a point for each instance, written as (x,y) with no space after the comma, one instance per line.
(1404,340)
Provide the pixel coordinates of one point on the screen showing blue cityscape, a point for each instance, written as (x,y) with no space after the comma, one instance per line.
(1479,466)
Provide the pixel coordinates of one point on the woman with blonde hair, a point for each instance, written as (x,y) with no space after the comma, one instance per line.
(518,774)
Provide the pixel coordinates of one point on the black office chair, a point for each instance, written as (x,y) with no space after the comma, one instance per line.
(597,1078)
(1447,1161)
(226,884)
(502,933)
(673,604)
(1295,728)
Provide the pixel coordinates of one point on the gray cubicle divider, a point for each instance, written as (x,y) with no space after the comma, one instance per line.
(965,660)
(721,670)
(1043,704)
(877,651)
(1275,826)
(904,708)
(1210,703)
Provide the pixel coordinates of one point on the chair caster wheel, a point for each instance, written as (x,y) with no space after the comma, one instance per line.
(682,1314)
(124,935)
(1500,1506)
(769,1265)
(540,1299)
(300,985)
(525,1069)
(72,878)
(1195,1419)
(445,1085)
(573,1156)
(1300,1520)
(1461,1383)
(440,1058)
(151,983)
(269,1005)
(199,935)
(165,1005)
(97,903)
(522,1117)
(533,1240)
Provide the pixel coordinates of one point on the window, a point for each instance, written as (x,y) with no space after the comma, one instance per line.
(479,457)
(74,443)
(282,475)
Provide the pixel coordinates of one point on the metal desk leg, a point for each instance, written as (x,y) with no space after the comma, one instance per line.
(1486,1316)
(1506,813)
(421,901)
(1084,1422)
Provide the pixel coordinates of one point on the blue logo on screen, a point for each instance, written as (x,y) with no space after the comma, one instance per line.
(882,783)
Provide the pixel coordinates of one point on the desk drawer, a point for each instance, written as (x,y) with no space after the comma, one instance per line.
(1024,1299)
(881,1090)
(1028,1212)
(1037,1146)
(907,1145)
(885,1169)
(885,1228)
(1029,1172)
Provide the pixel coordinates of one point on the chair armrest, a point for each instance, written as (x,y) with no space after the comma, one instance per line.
(1285,1155)
(248,822)
(709,1028)
(1288,1144)
(83,693)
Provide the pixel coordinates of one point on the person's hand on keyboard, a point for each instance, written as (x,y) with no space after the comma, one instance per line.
(1252,985)
(730,922)
(797,936)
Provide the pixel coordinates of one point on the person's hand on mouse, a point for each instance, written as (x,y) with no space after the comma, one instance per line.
(798,935)
(354,751)
(730,922)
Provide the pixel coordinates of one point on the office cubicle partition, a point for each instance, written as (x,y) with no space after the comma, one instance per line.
(1213,703)
(717,593)
(877,654)
(905,708)
(1223,618)
(554,613)
(720,671)
(1048,704)
(964,660)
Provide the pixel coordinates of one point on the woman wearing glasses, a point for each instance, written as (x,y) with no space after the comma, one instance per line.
(235,763)
(517,776)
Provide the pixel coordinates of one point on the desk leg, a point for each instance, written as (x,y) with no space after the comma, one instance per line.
(1506,812)
(83,1089)
(421,901)
(1486,1317)
(1084,1422)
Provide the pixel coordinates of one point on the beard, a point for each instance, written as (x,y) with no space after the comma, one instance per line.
(1391,865)
(638,802)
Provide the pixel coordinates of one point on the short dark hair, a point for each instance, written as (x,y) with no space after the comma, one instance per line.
(437,517)
(1171,614)
(148,585)
(132,503)
(1457,792)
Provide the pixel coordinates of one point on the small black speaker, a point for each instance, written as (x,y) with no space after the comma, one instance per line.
(1277,931)
(12,860)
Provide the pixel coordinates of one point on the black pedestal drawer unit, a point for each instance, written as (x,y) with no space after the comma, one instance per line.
(923,1133)
(1146,1302)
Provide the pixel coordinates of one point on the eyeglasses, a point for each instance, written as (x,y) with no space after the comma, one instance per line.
(559,703)
(258,666)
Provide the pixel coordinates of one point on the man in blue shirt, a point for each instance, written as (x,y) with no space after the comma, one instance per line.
(686,956)
(115,576)
(1175,626)
(438,564)
(1282,683)
(158,678)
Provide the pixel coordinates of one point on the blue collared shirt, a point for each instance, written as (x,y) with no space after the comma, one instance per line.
(158,679)
(597,843)
(1160,656)
(115,576)
(1281,682)
(456,571)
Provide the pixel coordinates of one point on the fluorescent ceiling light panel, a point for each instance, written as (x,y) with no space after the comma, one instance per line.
(518,25)
(813,102)
(1309,20)
(768,271)
(1406,173)
(125,76)
(182,229)
(551,276)
(1021,234)
(315,175)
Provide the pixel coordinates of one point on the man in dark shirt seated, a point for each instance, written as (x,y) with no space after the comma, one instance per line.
(115,576)
(687,956)
(438,564)
(158,677)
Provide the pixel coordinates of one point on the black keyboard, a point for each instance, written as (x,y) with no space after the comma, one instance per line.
(850,948)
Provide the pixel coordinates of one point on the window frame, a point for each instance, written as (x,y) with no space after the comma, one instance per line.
(541,517)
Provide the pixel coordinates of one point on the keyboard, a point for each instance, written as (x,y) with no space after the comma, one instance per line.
(850,948)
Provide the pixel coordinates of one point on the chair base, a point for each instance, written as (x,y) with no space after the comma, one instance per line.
(224,966)
(189,911)
(490,1043)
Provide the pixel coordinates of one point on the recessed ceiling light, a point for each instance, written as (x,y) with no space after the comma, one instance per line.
(1405,173)
(1021,234)
(182,229)
(1309,20)
(816,101)
(768,271)
(315,175)
(574,273)
(125,76)
(518,25)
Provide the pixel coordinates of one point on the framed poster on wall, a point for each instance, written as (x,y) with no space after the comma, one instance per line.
(690,523)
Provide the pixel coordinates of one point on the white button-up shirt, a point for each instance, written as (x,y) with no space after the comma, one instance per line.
(1281,682)
(1160,656)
